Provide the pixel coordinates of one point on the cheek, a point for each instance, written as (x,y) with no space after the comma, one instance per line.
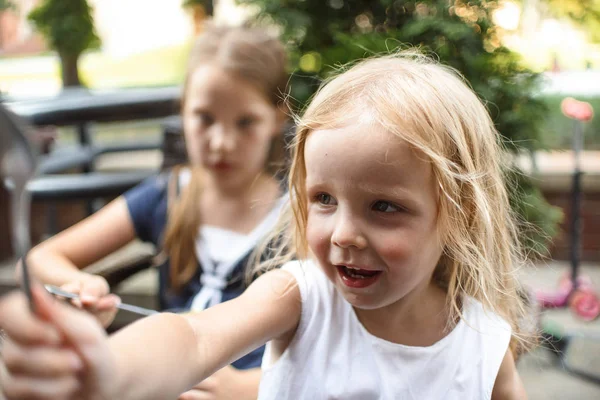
(316,234)
(412,255)
(193,148)
(256,148)
(395,248)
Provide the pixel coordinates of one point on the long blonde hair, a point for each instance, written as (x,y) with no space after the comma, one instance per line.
(255,56)
(430,106)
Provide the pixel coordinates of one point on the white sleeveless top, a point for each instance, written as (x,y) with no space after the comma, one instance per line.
(220,251)
(332,356)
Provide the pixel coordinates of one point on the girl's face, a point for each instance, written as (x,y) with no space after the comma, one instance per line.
(372,211)
(229,125)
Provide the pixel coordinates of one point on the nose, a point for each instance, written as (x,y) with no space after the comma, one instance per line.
(221,140)
(347,233)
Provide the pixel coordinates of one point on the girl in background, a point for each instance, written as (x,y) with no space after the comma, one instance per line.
(207,216)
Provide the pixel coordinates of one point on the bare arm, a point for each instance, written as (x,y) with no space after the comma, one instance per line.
(197,345)
(508,384)
(227,383)
(58,260)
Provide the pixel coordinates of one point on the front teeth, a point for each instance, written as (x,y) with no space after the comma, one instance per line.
(349,272)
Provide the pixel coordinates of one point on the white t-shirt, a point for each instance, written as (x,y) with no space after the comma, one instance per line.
(332,355)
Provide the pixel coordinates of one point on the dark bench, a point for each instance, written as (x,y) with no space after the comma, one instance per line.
(81,108)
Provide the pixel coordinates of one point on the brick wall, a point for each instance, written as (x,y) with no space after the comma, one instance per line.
(590,218)
(68,213)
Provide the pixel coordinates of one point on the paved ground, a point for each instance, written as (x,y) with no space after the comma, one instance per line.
(542,374)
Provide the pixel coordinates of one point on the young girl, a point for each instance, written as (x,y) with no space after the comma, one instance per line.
(208,216)
(400,213)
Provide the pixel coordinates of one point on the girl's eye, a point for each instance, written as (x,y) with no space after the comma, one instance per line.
(205,118)
(386,207)
(325,199)
(246,122)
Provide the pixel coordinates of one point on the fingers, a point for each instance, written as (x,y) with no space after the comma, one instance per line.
(46,354)
(108,302)
(75,288)
(44,362)
(92,289)
(17,387)
(24,327)
(94,297)
(196,394)
(76,327)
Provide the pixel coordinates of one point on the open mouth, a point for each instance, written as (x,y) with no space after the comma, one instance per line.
(222,166)
(356,277)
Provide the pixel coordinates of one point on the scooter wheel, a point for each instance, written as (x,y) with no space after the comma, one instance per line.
(585,304)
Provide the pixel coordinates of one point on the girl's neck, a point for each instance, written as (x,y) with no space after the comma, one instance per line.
(242,209)
(244,193)
(418,319)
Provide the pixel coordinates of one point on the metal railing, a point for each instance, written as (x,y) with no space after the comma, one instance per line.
(80,108)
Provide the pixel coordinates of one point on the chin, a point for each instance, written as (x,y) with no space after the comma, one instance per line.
(362,301)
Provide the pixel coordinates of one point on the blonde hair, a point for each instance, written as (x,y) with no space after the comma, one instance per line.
(261,60)
(430,106)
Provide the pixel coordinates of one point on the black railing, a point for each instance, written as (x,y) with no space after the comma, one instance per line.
(81,108)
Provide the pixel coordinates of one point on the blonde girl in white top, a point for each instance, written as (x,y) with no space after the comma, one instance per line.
(398,199)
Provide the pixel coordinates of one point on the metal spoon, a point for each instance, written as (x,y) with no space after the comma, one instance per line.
(17,167)
(127,307)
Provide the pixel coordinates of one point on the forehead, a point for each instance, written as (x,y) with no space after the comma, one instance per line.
(365,153)
(212,84)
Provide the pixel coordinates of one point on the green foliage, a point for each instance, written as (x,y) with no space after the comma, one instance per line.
(539,222)
(585,13)
(208,5)
(6,5)
(322,34)
(67,25)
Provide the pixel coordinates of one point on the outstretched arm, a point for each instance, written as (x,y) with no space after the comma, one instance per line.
(155,358)
(198,344)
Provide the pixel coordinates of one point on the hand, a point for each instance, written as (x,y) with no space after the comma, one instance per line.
(95,297)
(226,384)
(59,353)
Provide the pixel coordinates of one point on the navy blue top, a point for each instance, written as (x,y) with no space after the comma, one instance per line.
(147,204)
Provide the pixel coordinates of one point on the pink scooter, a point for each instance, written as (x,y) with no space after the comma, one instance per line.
(581,298)
(575,291)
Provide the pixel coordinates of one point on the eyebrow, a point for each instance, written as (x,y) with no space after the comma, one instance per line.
(396,191)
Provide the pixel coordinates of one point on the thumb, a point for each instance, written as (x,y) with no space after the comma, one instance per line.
(72,287)
(93,289)
(76,327)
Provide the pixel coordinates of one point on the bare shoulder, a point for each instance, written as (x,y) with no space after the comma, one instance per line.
(508,384)
(276,282)
(277,293)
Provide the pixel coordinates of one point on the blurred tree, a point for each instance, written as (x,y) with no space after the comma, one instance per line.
(201,9)
(68,27)
(5,5)
(325,33)
(584,13)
